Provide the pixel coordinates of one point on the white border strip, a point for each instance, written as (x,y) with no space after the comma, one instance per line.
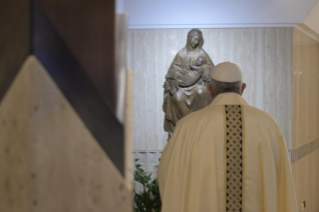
(307,32)
(203,26)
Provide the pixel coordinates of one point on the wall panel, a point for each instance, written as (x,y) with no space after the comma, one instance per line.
(306,117)
(306,89)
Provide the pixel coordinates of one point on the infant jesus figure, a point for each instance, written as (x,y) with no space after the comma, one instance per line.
(186,78)
(200,66)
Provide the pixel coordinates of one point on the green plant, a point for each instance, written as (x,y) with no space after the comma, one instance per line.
(148,200)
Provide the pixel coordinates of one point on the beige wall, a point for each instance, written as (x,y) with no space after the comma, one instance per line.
(306,117)
(264,55)
(312,21)
(49,161)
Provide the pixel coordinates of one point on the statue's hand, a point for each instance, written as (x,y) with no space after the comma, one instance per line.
(200,70)
(191,64)
(192,61)
(166,86)
(170,86)
(172,90)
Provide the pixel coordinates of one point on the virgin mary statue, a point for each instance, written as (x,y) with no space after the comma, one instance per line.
(186,80)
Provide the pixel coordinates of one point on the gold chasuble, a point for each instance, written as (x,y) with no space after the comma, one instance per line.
(227,157)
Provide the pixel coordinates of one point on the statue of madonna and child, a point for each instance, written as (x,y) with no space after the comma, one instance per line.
(185,88)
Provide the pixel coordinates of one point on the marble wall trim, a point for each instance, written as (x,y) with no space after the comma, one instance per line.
(306,30)
(304,150)
(147,158)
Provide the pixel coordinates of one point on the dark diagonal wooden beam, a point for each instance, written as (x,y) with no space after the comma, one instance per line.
(73,81)
(88,29)
(14,40)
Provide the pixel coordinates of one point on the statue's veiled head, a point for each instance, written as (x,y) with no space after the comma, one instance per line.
(195,39)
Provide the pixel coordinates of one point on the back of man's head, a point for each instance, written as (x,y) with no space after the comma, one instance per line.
(225,87)
(226,77)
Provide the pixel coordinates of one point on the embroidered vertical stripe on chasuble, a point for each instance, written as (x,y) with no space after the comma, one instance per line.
(234,158)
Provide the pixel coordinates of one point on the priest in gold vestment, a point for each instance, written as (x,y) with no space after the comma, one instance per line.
(227,157)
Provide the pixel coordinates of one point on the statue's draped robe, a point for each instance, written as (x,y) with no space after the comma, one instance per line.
(186,99)
(192,168)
